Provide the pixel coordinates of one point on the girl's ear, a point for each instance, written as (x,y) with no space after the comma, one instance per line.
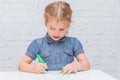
(45,23)
(66,33)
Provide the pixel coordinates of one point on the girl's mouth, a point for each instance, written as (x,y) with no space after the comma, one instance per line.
(56,37)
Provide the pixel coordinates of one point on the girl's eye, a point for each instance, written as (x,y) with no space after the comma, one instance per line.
(52,29)
(61,29)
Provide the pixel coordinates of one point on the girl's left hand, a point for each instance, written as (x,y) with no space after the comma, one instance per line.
(71,68)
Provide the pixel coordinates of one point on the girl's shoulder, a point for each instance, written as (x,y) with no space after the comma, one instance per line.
(38,40)
(72,39)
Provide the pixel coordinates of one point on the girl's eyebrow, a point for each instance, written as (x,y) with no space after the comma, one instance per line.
(52,26)
(62,27)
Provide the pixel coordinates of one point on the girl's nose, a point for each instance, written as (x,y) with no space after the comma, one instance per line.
(57,31)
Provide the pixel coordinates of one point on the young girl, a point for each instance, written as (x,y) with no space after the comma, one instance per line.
(56,48)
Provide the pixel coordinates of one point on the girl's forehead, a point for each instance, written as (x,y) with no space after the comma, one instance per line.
(58,22)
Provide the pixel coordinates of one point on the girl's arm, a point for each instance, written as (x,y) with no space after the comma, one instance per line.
(84,63)
(26,66)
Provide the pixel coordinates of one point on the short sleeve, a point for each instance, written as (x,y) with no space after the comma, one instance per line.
(78,48)
(32,49)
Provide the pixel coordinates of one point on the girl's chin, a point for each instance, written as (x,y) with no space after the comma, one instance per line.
(56,39)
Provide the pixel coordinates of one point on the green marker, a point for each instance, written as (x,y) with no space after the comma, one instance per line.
(40,60)
(61,69)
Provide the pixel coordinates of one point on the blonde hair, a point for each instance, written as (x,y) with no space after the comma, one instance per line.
(59,9)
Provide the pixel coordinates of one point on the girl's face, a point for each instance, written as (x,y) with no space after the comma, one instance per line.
(57,29)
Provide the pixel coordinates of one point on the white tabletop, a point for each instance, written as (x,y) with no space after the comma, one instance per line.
(53,75)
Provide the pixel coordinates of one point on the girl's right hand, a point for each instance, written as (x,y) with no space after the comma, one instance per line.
(39,68)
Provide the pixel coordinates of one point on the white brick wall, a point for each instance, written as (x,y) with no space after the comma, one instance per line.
(95,22)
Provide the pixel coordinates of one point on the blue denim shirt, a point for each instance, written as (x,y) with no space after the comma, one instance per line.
(55,53)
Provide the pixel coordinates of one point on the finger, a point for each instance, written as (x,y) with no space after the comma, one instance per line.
(78,69)
(46,67)
(75,71)
(65,70)
(69,71)
(40,69)
(72,70)
(43,65)
(67,66)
